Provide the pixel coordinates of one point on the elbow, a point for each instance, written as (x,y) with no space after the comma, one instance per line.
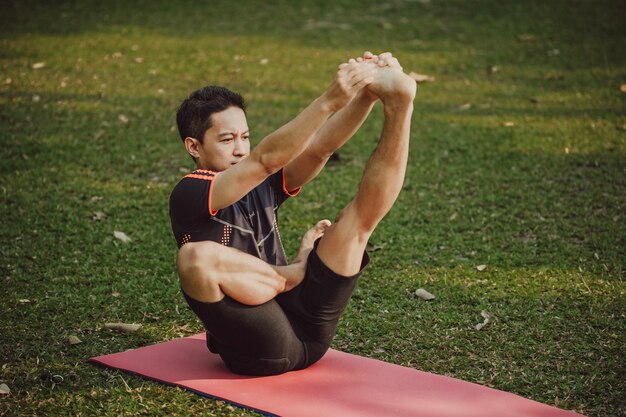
(269,163)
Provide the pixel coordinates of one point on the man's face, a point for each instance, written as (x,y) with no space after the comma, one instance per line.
(226,142)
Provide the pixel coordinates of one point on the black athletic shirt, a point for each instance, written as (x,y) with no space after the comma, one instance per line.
(250,224)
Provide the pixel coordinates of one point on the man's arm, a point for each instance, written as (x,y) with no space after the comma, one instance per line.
(281,147)
(332,136)
(336,131)
(208,271)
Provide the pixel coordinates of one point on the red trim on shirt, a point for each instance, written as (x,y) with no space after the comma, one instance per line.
(290,193)
(200,177)
(211,211)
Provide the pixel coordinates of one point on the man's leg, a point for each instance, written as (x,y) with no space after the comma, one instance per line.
(332,268)
(208,271)
(231,293)
(342,246)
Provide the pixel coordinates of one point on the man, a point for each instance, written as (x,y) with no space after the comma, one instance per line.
(262,315)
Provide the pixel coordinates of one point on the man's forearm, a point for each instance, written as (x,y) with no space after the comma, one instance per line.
(280,147)
(343,125)
(208,270)
(330,137)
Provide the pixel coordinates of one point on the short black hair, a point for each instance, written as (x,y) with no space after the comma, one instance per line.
(194,114)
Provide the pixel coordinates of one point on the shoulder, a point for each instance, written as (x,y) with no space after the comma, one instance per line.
(197,180)
(192,191)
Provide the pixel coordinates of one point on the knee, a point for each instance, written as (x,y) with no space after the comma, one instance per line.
(193,264)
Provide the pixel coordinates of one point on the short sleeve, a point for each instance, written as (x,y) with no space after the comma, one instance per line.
(277,182)
(190,203)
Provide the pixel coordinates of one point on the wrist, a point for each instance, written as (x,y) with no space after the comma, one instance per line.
(325,105)
(367,97)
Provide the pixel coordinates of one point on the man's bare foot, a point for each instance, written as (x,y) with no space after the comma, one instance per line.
(294,272)
(309,238)
(392,85)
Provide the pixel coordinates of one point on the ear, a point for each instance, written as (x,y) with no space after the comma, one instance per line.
(192,145)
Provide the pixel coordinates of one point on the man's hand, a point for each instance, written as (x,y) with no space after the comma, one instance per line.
(390,82)
(386,59)
(350,78)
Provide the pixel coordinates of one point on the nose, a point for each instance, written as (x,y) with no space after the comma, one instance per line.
(240,148)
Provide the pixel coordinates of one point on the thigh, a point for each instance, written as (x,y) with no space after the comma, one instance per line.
(316,305)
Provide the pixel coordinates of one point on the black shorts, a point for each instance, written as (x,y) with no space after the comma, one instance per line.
(290,332)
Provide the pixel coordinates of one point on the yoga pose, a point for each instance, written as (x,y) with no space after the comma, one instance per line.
(263,315)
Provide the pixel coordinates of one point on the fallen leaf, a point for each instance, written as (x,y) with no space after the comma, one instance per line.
(116,55)
(492,69)
(525,37)
(421,78)
(138,60)
(424,295)
(554,77)
(123,327)
(123,118)
(465,106)
(8,81)
(115,294)
(121,236)
(508,124)
(486,319)
(4,389)
(39,65)
(99,215)
(73,340)
(481,267)
(36,98)
(453,217)
(622,88)
(264,61)
(24,301)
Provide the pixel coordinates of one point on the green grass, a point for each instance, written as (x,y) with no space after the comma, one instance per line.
(542,203)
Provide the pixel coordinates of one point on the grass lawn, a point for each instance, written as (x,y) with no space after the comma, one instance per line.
(518,162)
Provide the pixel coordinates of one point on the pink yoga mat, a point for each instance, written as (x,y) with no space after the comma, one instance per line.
(340,384)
